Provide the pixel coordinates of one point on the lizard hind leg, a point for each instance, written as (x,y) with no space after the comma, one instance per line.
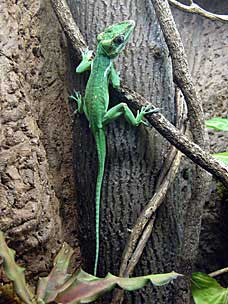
(123,109)
(76,96)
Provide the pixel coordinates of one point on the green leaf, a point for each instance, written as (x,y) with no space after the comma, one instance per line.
(222,156)
(139,282)
(217,123)
(15,273)
(87,288)
(49,286)
(206,290)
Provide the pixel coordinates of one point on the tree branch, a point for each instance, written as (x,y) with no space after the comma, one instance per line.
(134,100)
(218,272)
(196,9)
(181,71)
(69,26)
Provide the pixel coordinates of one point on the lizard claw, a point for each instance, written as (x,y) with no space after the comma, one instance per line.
(145,110)
(145,123)
(76,96)
(149,109)
(88,54)
(155,110)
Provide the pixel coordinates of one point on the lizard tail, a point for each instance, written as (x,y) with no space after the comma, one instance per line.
(101,152)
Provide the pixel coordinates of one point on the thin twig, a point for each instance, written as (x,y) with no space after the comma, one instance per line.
(218,272)
(180,111)
(156,201)
(196,9)
(146,214)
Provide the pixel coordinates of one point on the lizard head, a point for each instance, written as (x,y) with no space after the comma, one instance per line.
(115,37)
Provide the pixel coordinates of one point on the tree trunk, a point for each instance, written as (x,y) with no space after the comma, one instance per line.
(134,156)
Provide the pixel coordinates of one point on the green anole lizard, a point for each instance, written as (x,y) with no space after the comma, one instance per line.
(96,100)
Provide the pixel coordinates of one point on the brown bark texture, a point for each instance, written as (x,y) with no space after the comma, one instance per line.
(36,189)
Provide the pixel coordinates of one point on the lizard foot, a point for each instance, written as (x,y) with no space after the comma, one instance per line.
(87,54)
(144,111)
(149,109)
(76,96)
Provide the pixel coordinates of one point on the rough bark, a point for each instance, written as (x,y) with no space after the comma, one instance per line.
(35,157)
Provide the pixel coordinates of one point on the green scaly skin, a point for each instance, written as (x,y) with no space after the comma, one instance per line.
(96,101)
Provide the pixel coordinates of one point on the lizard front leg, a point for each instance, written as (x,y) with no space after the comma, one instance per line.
(114,77)
(87,59)
(82,67)
(123,109)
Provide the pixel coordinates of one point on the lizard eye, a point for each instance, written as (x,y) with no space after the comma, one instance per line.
(119,39)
